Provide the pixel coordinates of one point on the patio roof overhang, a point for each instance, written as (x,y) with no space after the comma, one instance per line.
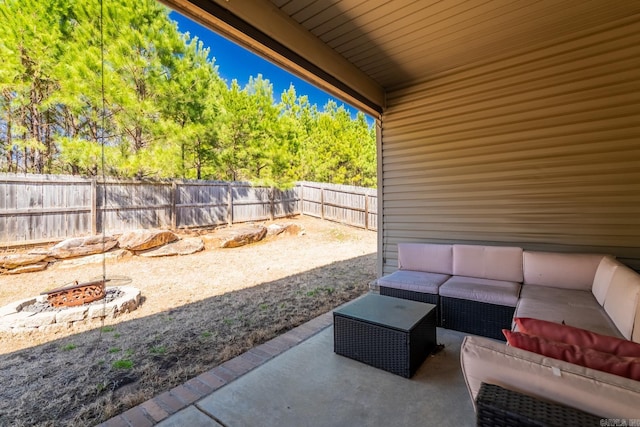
(359,50)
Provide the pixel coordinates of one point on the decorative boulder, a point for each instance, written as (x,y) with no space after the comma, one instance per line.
(39,266)
(233,238)
(277,229)
(141,240)
(94,259)
(81,246)
(12,261)
(181,247)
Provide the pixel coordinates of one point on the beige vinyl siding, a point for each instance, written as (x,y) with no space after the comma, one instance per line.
(539,149)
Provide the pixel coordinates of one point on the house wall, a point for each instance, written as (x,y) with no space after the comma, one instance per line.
(539,149)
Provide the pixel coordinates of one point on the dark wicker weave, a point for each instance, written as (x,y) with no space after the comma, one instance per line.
(475,317)
(499,407)
(396,351)
(413,296)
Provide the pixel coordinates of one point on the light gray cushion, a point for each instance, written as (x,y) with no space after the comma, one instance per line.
(482,290)
(488,262)
(560,270)
(417,281)
(573,307)
(429,257)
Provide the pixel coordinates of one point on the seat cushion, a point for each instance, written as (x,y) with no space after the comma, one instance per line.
(573,307)
(488,262)
(482,290)
(560,270)
(417,281)
(428,257)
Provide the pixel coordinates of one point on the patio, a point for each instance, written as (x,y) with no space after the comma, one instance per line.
(297,380)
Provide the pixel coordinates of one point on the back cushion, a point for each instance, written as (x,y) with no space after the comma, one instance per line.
(635,336)
(603,277)
(429,257)
(558,270)
(488,262)
(621,301)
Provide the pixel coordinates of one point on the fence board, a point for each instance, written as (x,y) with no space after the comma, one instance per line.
(36,208)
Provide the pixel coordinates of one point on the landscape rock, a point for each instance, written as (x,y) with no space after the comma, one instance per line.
(141,240)
(82,246)
(289,229)
(27,268)
(186,246)
(18,260)
(72,314)
(94,259)
(233,238)
(39,319)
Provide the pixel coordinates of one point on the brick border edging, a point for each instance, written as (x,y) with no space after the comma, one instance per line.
(180,397)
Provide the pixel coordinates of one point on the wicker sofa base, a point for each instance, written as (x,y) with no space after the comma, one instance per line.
(413,296)
(500,407)
(475,317)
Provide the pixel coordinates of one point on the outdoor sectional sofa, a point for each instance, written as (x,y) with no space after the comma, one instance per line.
(481,289)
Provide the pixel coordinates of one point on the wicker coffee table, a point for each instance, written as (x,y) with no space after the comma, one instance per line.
(388,333)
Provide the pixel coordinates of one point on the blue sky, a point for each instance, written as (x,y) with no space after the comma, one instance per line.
(235,62)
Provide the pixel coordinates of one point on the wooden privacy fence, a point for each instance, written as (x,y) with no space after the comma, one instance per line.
(346,204)
(39,208)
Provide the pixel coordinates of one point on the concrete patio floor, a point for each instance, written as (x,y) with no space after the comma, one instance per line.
(309,385)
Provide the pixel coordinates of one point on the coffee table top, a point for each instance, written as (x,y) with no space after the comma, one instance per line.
(386,311)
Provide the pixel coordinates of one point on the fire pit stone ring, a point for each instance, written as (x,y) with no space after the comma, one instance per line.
(16,316)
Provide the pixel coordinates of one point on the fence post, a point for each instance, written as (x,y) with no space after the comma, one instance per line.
(321,202)
(229,204)
(271,203)
(94,206)
(366,211)
(301,200)
(174,210)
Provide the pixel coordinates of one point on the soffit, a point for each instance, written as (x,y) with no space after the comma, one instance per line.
(400,42)
(374,46)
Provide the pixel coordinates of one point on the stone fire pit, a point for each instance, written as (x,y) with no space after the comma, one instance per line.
(37,313)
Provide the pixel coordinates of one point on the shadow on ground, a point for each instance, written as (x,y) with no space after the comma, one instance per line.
(86,378)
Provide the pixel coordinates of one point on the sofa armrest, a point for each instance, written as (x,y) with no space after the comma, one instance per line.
(488,361)
(498,406)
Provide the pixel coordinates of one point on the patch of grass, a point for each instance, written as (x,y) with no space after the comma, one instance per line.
(123,364)
(158,350)
(69,347)
(318,291)
(339,235)
(129,352)
(227,321)
(108,329)
(263,306)
(117,335)
(206,334)
(115,350)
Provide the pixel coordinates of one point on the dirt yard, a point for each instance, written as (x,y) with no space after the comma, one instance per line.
(198,311)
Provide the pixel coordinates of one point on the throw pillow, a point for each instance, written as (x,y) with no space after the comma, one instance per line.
(623,366)
(577,336)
